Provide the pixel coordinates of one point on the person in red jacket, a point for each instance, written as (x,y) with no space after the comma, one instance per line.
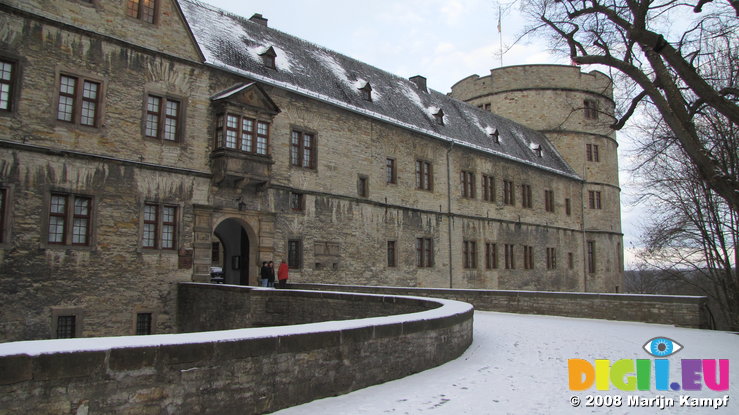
(282,274)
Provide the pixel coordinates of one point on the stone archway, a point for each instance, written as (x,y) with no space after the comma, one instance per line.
(237,239)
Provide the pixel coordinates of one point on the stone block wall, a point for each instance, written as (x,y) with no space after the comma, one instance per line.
(237,371)
(679,310)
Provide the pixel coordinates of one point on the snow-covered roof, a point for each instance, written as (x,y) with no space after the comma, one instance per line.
(233,43)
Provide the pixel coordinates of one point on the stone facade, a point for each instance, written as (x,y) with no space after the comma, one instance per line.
(234,208)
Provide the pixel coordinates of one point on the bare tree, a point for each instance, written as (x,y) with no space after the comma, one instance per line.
(655,51)
(693,234)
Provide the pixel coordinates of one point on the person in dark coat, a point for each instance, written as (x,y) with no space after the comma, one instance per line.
(264,275)
(282,274)
(271,278)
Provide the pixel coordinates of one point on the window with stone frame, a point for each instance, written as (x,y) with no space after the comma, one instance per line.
(66,327)
(528,257)
(8,81)
(468,184)
(549,200)
(160,224)
(163,118)
(241,133)
(79,100)
(362,186)
(526,201)
(424,175)
(488,188)
(303,149)
(594,199)
(491,255)
(391,173)
(551,258)
(70,220)
(591,256)
(469,254)
(392,257)
(570,260)
(590,107)
(143,324)
(424,252)
(592,152)
(297,201)
(144,10)
(3,212)
(509,197)
(295,253)
(568,206)
(510,259)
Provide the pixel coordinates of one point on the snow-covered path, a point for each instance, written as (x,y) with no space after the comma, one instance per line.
(517,364)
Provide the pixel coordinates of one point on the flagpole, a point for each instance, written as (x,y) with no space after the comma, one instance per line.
(500,35)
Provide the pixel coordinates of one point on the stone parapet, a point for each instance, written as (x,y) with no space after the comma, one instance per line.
(238,371)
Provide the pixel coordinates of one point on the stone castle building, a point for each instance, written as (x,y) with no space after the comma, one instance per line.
(144,141)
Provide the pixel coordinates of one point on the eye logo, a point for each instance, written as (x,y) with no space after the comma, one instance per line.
(662,347)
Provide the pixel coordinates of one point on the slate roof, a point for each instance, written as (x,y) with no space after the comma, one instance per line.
(236,44)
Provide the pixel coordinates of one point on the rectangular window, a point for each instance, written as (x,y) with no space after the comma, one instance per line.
(391,254)
(591,109)
(3,204)
(591,256)
(424,175)
(65,209)
(363,186)
(508,193)
(241,133)
(391,175)
(66,327)
(7,84)
(594,200)
(528,257)
(491,255)
(295,253)
(570,260)
(162,118)
(510,262)
(303,150)
(142,9)
(468,184)
(488,188)
(143,324)
(568,206)
(470,254)
(549,200)
(526,196)
(591,152)
(551,258)
(424,253)
(79,101)
(160,227)
(297,201)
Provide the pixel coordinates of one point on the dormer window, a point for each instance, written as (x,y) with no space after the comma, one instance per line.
(439,116)
(366,91)
(536,148)
(494,135)
(269,57)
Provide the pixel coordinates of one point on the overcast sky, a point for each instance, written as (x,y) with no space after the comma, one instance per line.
(443,40)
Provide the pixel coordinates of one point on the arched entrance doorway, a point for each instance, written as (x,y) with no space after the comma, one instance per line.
(234,240)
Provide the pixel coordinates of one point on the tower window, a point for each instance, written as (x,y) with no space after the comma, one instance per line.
(591,109)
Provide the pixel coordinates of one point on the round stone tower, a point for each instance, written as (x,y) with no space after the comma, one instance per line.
(574,110)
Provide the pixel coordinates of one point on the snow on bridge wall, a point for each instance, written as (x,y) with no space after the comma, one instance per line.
(678,310)
(359,340)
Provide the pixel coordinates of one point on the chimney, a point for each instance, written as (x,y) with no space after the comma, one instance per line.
(420,82)
(259,19)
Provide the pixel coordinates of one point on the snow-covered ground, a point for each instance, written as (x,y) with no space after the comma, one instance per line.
(517,364)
